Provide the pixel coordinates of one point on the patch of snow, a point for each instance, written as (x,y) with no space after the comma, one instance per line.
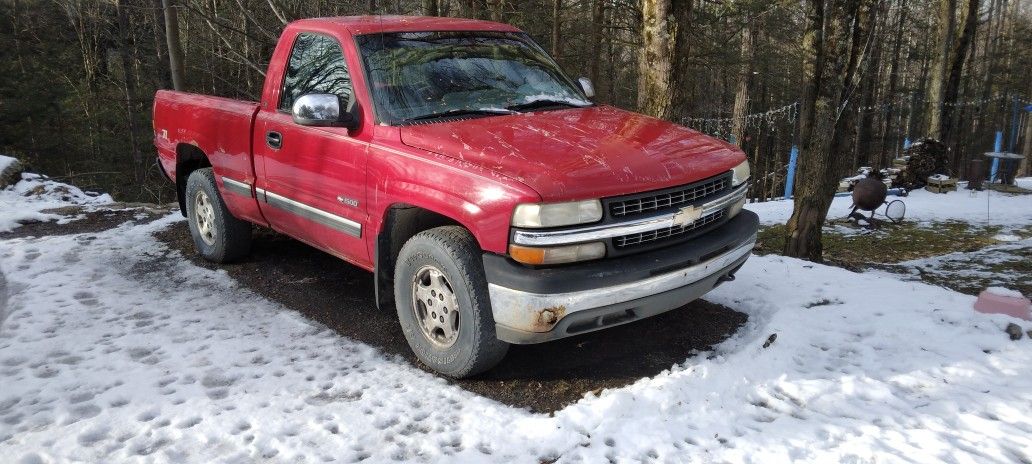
(924,206)
(114,348)
(27,199)
(5,162)
(1006,238)
(996,265)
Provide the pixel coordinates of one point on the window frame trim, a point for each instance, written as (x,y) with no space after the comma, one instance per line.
(286,67)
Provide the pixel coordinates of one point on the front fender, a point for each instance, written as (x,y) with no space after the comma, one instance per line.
(480,202)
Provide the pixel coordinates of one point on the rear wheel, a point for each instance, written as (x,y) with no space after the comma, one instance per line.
(441,296)
(218,236)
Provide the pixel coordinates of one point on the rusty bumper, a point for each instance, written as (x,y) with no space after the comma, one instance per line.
(542,305)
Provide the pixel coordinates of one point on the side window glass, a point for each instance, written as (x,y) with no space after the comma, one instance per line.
(316,65)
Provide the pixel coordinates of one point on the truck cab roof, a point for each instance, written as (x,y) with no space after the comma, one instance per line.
(358,25)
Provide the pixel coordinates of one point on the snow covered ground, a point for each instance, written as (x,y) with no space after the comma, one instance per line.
(973,271)
(978,208)
(26,200)
(115,349)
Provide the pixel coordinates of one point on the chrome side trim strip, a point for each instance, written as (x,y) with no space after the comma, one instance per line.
(519,310)
(237,187)
(605,231)
(322,217)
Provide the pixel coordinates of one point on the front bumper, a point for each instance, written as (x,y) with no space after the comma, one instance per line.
(539,305)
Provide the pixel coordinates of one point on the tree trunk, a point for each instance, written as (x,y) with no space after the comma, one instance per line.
(557,23)
(829,68)
(869,93)
(958,56)
(175,48)
(475,9)
(889,136)
(162,75)
(597,13)
(129,81)
(682,78)
(940,66)
(745,69)
(663,80)
(430,8)
(496,10)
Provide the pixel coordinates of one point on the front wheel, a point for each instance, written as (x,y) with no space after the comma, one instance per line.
(218,236)
(443,305)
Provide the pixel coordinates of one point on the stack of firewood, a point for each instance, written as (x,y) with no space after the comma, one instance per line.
(924,158)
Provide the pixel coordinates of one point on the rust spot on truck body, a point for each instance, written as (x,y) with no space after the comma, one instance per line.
(546,318)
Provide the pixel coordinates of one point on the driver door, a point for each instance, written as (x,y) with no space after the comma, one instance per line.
(312,182)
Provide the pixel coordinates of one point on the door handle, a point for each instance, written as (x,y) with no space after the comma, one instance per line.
(274,140)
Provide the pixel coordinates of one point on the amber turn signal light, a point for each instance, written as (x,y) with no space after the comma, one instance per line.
(557,255)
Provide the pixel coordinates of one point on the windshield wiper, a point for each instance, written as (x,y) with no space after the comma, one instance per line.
(543,103)
(461,112)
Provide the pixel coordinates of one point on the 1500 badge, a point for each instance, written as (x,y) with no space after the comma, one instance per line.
(348,201)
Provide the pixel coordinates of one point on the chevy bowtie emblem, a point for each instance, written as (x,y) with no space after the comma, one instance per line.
(687,215)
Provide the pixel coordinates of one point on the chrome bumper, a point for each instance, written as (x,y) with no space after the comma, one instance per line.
(534,312)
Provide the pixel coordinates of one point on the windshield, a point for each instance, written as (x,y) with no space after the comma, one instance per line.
(424,75)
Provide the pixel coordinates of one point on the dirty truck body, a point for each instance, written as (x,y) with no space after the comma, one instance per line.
(493,202)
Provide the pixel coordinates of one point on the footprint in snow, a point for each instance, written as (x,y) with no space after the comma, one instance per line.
(189,423)
(93,436)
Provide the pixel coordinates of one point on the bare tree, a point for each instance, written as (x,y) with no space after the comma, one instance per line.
(745,71)
(430,8)
(959,54)
(835,28)
(947,25)
(662,66)
(175,48)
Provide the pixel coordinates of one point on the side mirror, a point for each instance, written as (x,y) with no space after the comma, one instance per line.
(587,87)
(325,110)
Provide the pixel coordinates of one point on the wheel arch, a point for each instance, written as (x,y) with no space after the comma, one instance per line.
(189,158)
(401,222)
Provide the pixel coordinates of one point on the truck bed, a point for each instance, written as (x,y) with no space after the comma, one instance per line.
(220,127)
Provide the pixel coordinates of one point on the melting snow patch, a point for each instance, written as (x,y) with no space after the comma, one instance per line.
(962,205)
(1006,238)
(27,199)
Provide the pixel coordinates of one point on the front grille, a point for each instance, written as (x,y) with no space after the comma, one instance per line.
(667,233)
(668,198)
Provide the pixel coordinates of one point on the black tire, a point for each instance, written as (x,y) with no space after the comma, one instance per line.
(453,252)
(226,238)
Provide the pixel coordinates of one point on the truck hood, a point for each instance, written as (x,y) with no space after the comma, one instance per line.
(580,153)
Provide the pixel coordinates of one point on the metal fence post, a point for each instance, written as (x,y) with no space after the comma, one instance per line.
(997,147)
(1015,112)
(790,176)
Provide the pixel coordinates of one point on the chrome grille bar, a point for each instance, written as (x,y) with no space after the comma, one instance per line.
(636,226)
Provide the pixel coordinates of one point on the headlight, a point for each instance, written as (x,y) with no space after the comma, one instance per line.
(557,255)
(537,215)
(740,174)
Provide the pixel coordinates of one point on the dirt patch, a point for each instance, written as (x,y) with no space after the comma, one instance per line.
(889,244)
(544,377)
(84,221)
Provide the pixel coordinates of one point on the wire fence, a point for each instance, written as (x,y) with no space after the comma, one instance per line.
(883,131)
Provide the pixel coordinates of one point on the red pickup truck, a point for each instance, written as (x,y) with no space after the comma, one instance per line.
(493,202)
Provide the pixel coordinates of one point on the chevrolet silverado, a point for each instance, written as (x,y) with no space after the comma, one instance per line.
(493,201)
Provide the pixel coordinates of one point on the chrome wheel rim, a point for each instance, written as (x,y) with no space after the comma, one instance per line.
(435,307)
(204,216)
